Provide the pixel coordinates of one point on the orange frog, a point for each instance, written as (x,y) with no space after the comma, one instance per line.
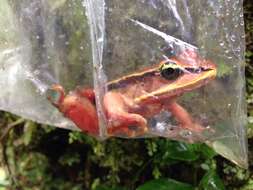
(134,98)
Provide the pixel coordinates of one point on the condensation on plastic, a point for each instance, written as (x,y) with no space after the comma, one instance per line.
(132,35)
(63,42)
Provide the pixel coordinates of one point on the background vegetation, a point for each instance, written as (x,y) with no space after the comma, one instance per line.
(45,158)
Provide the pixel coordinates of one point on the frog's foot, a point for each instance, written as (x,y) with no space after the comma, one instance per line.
(120,121)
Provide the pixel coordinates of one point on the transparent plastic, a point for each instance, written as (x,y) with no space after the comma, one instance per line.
(42,43)
(129,69)
(173,69)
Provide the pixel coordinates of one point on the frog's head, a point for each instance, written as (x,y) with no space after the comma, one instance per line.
(187,71)
(180,74)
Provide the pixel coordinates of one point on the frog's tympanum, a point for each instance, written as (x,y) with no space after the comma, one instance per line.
(132,99)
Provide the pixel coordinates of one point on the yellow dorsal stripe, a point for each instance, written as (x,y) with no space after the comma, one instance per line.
(134,75)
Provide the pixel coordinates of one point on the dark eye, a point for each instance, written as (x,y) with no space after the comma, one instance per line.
(170,72)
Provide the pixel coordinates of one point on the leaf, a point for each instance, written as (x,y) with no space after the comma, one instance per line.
(29,129)
(69,158)
(181,151)
(3,178)
(206,151)
(211,181)
(165,184)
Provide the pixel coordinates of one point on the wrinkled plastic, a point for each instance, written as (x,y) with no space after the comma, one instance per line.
(110,46)
(42,43)
(138,35)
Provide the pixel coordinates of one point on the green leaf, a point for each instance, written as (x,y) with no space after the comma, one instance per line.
(206,151)
(181,151)
(69,158)
(211,181)
(29,129)
(3,178)
(165,184)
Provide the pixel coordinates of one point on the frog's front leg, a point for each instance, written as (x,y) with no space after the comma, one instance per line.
(120,120)
(79,107)
(183,117)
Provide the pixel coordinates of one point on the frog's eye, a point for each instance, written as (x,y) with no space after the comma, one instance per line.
(170,71)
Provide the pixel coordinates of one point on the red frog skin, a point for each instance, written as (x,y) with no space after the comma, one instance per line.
(136,97)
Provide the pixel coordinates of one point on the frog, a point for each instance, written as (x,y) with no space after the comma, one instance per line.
(131,100)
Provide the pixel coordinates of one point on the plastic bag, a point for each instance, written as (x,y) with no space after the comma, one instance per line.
(42,43)
(128,68)
(171,68)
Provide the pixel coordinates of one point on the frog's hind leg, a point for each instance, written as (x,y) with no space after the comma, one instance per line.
(183,117)
(120,121)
